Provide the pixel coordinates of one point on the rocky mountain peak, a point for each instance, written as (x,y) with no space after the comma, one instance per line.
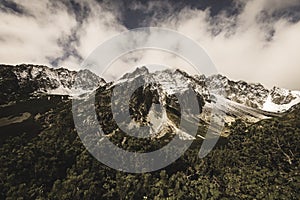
(28,79)
(137,72)
(281,96)
(24,80)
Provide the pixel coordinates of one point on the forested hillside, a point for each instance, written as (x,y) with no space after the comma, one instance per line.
(259,161)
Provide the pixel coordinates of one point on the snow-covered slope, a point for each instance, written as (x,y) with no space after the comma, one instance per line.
(41,79)
(170,81)
(281,100)
(252,95)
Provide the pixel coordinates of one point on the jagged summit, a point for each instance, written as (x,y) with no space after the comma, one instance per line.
(137,72)
(22,79)
(253,95)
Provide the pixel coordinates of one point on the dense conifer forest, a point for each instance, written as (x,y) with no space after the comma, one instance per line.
(258,161)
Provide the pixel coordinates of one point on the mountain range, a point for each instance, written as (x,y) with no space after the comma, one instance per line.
(42,156)
(242,99)
(33,79)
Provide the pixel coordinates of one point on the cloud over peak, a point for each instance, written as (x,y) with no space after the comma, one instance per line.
(254,40)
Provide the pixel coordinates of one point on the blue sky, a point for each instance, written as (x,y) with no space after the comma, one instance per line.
(255,40)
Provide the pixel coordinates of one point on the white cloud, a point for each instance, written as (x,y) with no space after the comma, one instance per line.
(33,38)
(100,26)
(253,45)
(241,50)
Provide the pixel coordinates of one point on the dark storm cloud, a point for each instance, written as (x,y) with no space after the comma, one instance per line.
(11,7)
(141,12)
(215,6)
(80,10)
(291,13)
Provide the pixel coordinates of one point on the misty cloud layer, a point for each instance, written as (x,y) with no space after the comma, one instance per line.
(257,40)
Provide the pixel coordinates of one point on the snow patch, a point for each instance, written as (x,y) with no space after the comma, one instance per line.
(272,107)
